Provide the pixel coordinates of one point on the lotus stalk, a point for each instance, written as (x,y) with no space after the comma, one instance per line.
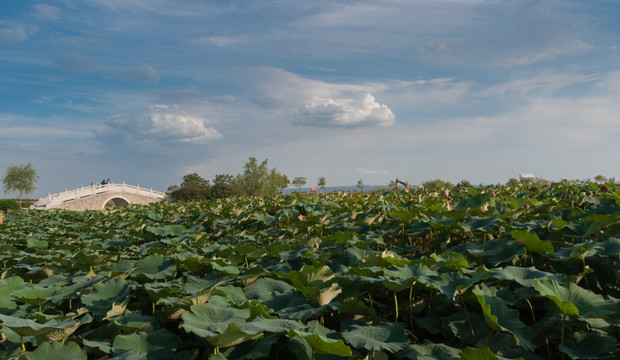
(395,307)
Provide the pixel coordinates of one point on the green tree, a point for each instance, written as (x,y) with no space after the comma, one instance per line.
(299,181)
(222,186)
(193,187)
(258,180)
(20,178)
(360,185)
(321,182)
(437,184)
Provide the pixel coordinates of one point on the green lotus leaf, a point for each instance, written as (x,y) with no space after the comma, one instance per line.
(130,322)
(461,327)
(211,319)
(7,306)
(574,300)
(581,229)
(34,243)
(108,296)
(532,242)
(166,231)
(451,260)
(58,351)
(590,345)
(160,344)
(251,349)
(392,338)
(34,294)
(155,267)
(300,347)
(231,336)
(524,276)
(276,326)
(611,248)
(475,223)
(499,317)
(321,344)
(430,351)
(8,285)
(454,283)
(276,294)
(265,219)
(480,354)
(27,327)
(61,333)
(497,251)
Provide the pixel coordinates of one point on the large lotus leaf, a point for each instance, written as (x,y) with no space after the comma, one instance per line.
(497,251)
(499,317)
(578,251)
(590,345)
(531,241)
(461,326)
(451,260)
(163,289)
(276,326)
(34,294)
(8,285)
(430,351)
(212,319)
(276,294)
(108,296)
(611,248)
(155,267)
(27,327)
(58,351)
(581,229)
(231,336)
(300,348)
(194,285)
(475,223)
(310,275)
(524,276)
(480,354)
(574,300)
(63,332)
(321,344)
(167,230)
(160,344)
(392,338)
(250,350)
(34,243)
(454,283)
(7,306)
(411,274)
(130,322)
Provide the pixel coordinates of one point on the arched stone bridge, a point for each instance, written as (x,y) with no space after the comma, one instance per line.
(96,197)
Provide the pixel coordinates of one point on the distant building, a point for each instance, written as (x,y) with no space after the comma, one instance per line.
(526,176)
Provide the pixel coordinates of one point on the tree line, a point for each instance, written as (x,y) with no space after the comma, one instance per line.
(256,179)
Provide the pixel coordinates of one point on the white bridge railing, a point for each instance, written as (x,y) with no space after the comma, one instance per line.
(53,200)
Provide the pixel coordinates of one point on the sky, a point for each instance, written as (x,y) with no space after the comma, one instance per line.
(146,91)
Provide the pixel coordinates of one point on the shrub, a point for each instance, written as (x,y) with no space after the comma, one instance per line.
(8,205)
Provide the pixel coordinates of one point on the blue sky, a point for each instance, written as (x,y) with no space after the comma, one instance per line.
(145,91)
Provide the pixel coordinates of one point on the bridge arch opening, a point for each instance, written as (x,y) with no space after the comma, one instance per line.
(116,201)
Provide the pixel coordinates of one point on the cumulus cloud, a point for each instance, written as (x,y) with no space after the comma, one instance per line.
(11,33)
(144,73)
(162,124)
(346,113)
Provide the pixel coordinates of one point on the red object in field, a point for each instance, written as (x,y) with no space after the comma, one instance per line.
(314,188)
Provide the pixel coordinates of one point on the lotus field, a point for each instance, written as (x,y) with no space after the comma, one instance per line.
(489,273)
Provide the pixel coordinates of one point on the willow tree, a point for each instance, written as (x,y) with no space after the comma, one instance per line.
(20,178)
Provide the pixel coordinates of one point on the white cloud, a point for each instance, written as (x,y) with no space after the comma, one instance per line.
(161,125)
(346,113)
(144,73)
(75,61)
(11,33)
